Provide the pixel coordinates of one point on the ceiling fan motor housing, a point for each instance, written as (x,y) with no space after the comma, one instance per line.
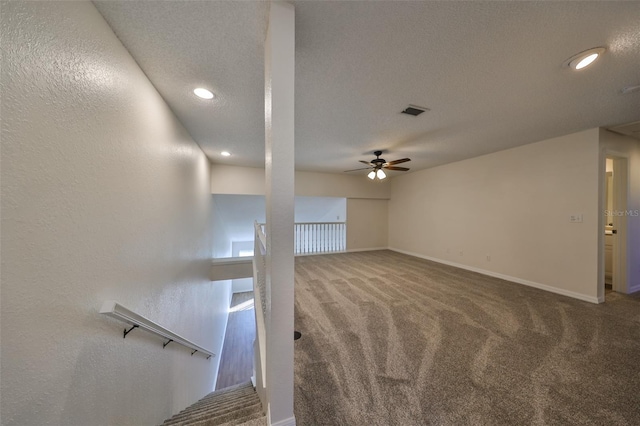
(378,162)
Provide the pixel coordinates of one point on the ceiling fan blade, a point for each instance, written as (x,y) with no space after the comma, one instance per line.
(353,170)
(402,160)
(402,169)
(365,162)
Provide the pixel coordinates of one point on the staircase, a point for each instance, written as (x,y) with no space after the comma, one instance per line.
(236,405)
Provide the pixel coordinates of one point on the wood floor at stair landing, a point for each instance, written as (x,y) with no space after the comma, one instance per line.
(236,361)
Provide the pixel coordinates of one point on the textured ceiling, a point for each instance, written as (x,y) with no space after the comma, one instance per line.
(491,73)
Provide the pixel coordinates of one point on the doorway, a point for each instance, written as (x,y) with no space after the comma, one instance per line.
(615,225)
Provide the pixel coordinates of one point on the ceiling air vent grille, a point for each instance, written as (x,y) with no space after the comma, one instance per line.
(414,110)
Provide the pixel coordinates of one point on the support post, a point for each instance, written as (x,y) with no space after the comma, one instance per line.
(279,166)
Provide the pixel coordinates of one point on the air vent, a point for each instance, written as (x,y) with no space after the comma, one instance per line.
(414,110)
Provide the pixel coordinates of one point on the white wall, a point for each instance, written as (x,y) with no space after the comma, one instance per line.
(367,224)
(237,215)
(251,181)
(222,240)
(242,285)
(512,205)
(321,209)
(358,190)
(630,148)
(104,196)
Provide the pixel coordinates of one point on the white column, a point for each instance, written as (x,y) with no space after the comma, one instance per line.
(279,165)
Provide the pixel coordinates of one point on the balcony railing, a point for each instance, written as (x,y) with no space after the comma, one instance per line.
(320,237)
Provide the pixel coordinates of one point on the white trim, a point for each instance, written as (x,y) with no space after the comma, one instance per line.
(634,289)
(291,421)
(223,261)
(517,280)
(367,249)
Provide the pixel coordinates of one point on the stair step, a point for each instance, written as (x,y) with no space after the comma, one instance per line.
(212,403)
(215,419)
(260,421)
(236,405)
(223,408)
(256,419)
(229,390)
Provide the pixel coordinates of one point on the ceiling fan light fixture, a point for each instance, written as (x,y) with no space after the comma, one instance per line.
(371,175)
(381,175)
(584,59)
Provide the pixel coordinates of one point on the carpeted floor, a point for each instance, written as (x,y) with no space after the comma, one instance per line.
(389,339)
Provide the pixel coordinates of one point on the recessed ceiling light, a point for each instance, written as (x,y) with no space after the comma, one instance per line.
(225,153)
(584,59)
(203,93)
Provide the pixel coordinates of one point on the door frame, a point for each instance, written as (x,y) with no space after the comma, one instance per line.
(620,204)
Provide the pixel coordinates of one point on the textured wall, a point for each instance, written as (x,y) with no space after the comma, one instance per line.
(367,224)
(104,196)
(321,209)
(513,206)
(250,181)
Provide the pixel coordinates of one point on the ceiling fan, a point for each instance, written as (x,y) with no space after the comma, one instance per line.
(376,165)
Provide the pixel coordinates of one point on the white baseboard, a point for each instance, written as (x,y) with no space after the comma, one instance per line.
(367,249)
(291,421)
(345,251)
(517,280)
(634,288)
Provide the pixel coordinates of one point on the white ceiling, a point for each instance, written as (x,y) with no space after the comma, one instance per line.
(491,73)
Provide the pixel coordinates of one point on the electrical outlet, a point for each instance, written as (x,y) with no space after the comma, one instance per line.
(488,258)
(461,253)
(575,218)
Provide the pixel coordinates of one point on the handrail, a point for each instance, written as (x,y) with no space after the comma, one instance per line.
(115,310)
(259,292)
(259,266)
(261,233)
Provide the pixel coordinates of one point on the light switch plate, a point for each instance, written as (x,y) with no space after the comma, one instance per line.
(575,218)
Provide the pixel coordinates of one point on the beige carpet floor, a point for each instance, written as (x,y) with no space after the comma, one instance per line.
(389,339)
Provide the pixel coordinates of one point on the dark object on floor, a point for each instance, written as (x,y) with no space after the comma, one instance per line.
(296,335)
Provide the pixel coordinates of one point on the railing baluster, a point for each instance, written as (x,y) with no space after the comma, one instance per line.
(319,237)
(333,237)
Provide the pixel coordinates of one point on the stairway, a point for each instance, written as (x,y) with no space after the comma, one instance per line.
(236,405)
